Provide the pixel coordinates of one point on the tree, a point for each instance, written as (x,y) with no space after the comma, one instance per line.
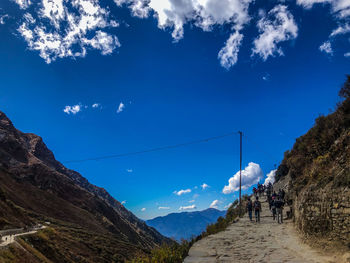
(345,90)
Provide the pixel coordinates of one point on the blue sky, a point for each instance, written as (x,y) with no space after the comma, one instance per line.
(182,71)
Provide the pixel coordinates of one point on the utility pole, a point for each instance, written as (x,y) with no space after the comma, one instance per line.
(240,173)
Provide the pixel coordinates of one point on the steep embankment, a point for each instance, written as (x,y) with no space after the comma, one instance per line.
(316,175)
(87,224)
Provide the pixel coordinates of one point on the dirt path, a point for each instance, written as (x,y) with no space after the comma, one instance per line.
(9,239)
(247,241)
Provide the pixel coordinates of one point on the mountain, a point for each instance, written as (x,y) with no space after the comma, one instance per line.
(186,224)
(86,223)
(315,173)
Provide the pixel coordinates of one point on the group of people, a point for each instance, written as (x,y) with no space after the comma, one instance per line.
(275,201)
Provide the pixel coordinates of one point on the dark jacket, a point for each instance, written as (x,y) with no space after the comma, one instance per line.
(257,205)
(250,205)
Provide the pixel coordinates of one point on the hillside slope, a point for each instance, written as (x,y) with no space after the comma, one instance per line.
(316,176)
(87,224)
(186,224)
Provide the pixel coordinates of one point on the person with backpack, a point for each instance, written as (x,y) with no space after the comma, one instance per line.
(257,208)
(279,208)
(273,207)
(250,209)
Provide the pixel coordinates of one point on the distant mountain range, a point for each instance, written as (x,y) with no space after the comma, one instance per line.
(186,224)
(86,223)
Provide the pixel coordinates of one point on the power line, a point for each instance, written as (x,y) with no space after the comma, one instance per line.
(153,149)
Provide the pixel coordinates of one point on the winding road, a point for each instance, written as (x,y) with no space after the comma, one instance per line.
(9,239)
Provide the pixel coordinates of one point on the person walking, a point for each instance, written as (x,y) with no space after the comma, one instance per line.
(279,208)
(257,208)
(273,207)
(250,209)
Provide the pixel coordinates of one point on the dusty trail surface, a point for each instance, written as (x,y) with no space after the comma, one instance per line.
(247,241)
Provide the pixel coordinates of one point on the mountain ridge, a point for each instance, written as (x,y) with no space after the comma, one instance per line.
(185,225)
(35,187)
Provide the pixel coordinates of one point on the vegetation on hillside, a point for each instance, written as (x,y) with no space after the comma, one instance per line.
(321,156)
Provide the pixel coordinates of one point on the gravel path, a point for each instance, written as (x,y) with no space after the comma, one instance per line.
(247,241)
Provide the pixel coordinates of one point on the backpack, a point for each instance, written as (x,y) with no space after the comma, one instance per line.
(257,205)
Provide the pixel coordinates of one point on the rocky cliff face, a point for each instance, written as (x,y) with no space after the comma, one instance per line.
(316,176)
(35,187)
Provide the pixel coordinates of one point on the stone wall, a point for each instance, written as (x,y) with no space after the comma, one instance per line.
(323,212)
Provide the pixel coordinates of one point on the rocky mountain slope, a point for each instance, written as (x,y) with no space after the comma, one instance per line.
(316,176)
(87,224)
(187,224)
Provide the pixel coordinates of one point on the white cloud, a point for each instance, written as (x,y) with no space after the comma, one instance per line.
(143,209)
(250,175)
(72,109)
(205,14)
(64,28)
(190,207)
(266,77)
(181,192)
(340,8)
(340,30)
(23,4)
(192,201)
(123,202)
(129,170)
(347,55)
(195,196)
(3,18)
(96,105)
(228,206)
(275,27)
(310,3)
(326,47)
(270,177)
(121,107)
(205,186)
(163,207)
(228,55)
(214,204)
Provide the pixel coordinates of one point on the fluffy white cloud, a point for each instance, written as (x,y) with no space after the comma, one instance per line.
(326,47)
(72,109)
(143,209)
(214,204)
(190,207)
(205,14)
(123,202)
(163,207)
(275,27)
(202,13)
(23,4)
(250,175)
(341,30)
(181,192)
(341,8)
(204,186)
(228,55)
(129,170)
(270,177)
(63,28)
(121,107)
(347,55)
